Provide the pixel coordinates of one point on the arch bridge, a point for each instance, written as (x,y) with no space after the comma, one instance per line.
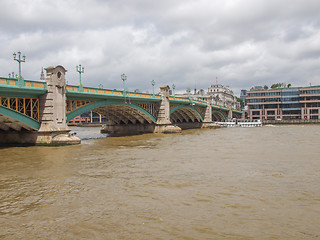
(39,111)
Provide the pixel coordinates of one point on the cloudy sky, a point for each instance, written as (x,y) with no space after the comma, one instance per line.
(183,42)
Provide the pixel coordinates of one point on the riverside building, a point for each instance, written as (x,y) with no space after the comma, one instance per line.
(294,103)
(220,95)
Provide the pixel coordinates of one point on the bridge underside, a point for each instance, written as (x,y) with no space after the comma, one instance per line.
(218,116)
(11,124)
(123,114)
(184,115)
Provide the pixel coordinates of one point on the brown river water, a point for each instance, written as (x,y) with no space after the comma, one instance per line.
(228,183)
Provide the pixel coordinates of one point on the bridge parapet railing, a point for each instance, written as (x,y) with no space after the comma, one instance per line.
(220,107)
(189,100)
(72,88)
(28,83)
(200,101)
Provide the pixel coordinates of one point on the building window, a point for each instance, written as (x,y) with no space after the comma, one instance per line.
(312,91)
(314,111)
(255,112)
(255,94)
(271,112)
(272,93)
(259,106)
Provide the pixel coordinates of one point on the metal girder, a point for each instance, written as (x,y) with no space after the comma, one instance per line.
(218,115)
(126,114)
(109,115)
(130,109)
(189,113)
(178,115)
(17,120)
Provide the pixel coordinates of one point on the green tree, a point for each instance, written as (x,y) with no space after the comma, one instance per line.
(265,87)
(289,85)
(240,101)
(275,85)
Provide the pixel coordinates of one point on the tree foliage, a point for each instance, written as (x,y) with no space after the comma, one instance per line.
(276,85)
(240,101)
(280,85)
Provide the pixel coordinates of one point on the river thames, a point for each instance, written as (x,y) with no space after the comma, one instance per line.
(228,183)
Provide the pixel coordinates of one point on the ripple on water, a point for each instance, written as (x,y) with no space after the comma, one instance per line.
(205,184)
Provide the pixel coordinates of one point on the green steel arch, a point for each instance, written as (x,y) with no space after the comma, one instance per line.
(220,114)
(186,106)
(94,105)
(24,119)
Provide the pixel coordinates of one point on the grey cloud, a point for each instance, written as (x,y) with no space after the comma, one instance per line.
(244,43)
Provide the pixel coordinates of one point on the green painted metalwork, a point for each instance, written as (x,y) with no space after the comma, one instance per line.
(9,87)
(20,117)
(33,89)
(186,106)
(216,107)
(96,94)
(187,101)
(19,60)
(94,105)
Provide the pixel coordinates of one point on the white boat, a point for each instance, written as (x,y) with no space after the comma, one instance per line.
(241,123)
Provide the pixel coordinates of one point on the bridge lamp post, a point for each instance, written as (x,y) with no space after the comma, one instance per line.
(11,74)
(124,78)
(19,60)
(173,88)
(153,82)
(80,70)
(188,90)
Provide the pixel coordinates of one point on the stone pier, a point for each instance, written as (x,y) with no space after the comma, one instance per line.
(164,124)
(52,116)
(54,129)
(207,122)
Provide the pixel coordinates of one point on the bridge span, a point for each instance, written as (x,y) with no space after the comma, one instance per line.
(35,112)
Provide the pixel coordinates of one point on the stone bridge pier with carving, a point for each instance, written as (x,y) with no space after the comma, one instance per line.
(35,112)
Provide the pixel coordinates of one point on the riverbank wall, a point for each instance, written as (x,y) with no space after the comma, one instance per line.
(295,121)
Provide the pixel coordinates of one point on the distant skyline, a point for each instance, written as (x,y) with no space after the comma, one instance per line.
(244,43)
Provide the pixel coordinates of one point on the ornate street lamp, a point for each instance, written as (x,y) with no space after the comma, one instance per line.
(188,90)
(153,82)
(124,78)
(173,88)
(19,60)
(11,75)
(80,70)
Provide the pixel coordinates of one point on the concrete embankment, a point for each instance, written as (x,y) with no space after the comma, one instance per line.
(311,121)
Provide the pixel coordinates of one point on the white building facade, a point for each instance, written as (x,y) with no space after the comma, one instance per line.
(219,94)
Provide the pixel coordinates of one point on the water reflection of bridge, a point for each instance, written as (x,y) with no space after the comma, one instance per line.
(33,111)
